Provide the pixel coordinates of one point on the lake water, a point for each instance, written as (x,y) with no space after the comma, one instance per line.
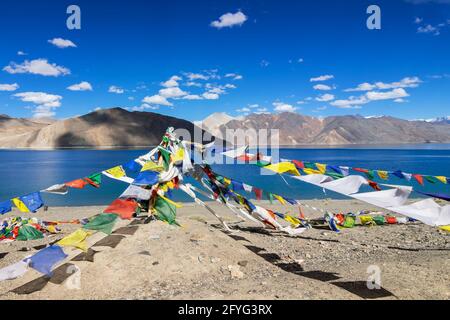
(23,172)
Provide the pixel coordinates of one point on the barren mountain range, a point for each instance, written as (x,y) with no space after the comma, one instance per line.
(121,128)
(103,128)
(295,129)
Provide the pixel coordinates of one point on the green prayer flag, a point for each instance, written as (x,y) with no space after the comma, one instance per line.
(103,222)
(349,221)
(27,232)
(431,179)
(334,175)
(370,174)
(165,211)
(310,165)
(96,178)
(379,220)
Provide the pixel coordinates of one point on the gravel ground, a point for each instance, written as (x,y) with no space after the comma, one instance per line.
(201,261)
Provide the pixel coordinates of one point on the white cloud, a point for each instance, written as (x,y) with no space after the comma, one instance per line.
(325,97)
(300,60)
(418,20)
(350,103)
(193,84)
(21,53)
(322,87)
(157,99)
(394,94)
(243,110)
(235,76)
(38,66)
(192,97)
(322,78)
(283,107)
(400,100)
(82,86)
(173,92)
(144,107)
(172,82)
(9,87)
(428,29)
(116,89)
(196,76)
(62,43)
(408,82)
(264,63)
(253,106)
(229,20)
(45,103)
(210,96)
(230,86)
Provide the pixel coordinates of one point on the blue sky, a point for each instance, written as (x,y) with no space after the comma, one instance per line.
(313,57)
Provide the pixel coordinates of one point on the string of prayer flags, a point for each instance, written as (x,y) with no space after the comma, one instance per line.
(28,232)
(283,167)
(61,189)
(77,184)
(29,203)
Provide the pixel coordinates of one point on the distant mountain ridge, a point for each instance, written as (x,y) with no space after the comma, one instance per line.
(103,128)
(296,129)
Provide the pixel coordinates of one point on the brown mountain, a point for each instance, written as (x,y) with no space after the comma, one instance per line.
(296,129)
(104,128)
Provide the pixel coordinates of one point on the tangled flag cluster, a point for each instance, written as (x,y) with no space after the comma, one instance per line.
(151,178)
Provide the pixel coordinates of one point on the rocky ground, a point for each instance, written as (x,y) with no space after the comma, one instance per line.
(201,261)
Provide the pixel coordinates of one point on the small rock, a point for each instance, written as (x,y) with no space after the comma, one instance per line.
(214,260)
(154,237)
(155,263)
(243,263)
(308,256)
(235,272)
(299,261)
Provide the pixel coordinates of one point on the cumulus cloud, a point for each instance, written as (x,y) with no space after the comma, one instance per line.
(386,95)
(192,97)
(429,29)
(172,82)
(157,99)
(116,89)
(45,103)
(21,53)
(82,86)
(322,78)
(196,76)
(210,96)
(62,43)
(350,103)
(325,97)
(408,82)
(229,20)
(322,87)
(9,87)
(235,76)
(172,92)
(243,110)
(193,84)
(37,66)
(143,107)
(283,107)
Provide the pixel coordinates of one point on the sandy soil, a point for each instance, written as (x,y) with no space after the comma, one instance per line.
(200,261)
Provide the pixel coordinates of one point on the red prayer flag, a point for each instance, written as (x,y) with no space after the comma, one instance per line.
(374,185)
(77,184)
(419,178)
(124,208)
(258,193)
(298,164)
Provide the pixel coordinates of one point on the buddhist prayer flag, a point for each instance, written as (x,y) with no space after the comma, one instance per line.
(102,222)
(77,184)
(165,211)
(321,167)
(311,171)
(345,170)
(147,178)
(442,179)
(431,179)
(29,203)
(298,164)
(132,166)
(94,179)
(419,178)
(116,172)
(5,206)
(279,198)
(151,166)
(57,189)
(236,185)
(383,174)
(283,167)
(247,187)
(124,208)
(44,260)
(27,232)
(258,193)
(76,239)
(335,169)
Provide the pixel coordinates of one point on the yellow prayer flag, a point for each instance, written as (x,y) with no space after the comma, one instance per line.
(311,171)
(442,179)
(321,167)
(20,205)
(283,167)
(76,239)
(176,204)
(179,156)
(366,220)
(282,201)
(445,228)
(117,172)
(151,166)
(383,174)
(292,220)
